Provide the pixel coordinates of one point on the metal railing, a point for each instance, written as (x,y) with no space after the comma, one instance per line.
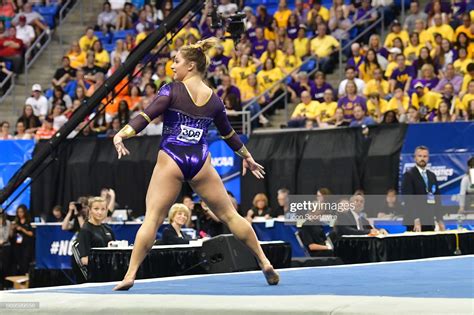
(66,8)
(284,94)
(242,126)
(35,50)
(9,78)
(374,24)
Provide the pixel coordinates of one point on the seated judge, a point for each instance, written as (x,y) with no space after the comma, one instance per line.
(178,216)
(94,233)
(351,222)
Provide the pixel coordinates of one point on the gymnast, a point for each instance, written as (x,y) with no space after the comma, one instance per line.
(189,106)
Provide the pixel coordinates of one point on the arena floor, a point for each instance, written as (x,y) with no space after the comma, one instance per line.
(429,286)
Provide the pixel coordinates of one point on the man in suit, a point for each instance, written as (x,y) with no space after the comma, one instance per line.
(353,222)
(420,188)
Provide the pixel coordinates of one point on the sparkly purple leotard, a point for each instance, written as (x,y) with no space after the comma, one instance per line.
(185,126)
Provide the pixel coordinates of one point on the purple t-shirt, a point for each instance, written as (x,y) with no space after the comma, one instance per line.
(292,32)
(318,94)
(218,61)
(296,86)
(259,47)
(347,105)
(402,76)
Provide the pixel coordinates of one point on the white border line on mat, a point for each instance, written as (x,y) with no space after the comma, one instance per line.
(99,284)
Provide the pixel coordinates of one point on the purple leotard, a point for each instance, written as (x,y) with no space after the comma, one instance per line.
(185,126)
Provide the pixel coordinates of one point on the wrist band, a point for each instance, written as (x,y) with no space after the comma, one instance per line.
(243,152)
(127,131)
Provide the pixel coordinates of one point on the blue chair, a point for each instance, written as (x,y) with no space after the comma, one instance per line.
(138,3)
(105,38)
(308,67)
(121,34)
(109,47)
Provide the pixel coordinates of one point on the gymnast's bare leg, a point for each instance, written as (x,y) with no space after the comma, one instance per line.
(208,185)
(158,202)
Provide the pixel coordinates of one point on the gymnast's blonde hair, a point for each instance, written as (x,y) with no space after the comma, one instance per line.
(197,53)
(178,207)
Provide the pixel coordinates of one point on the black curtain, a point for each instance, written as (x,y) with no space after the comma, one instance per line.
(342,160)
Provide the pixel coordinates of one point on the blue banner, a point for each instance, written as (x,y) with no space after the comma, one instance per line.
(450,146)
(227,164)
(14,153)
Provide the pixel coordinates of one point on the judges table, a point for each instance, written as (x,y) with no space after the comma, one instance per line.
(363,248)
(110,264)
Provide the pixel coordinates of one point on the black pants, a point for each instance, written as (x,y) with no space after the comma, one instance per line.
(22,256)
(5,270)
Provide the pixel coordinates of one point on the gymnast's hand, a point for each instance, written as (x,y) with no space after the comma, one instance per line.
(120,147)
(254,167)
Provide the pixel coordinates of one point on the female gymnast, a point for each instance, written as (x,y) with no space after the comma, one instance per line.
(189,106)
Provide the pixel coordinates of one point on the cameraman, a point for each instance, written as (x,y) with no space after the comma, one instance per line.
(75,217)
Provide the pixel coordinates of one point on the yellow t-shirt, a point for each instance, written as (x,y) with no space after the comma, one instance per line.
(301,47)
(322,11)
(168,70)
(278,57)
(445,30)
(281,17)
(465,101)
(460,66)
(465,82)
(184,32)
(425,37)
(412,52)
(374,87)
(266,79)
(240,74)
(140,37)
(247,92)
(289,63)
(393,103)
(102,59)
(308,110)
(371,108)
(368,74)
(85,43)
(322,47)
(403,35)
(462,29)
(77,60)
(430,99)
(390,67)
(325,111)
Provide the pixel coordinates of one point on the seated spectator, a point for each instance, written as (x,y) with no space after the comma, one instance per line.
(360,117)
(268,79)
(87,40)
(107,19)
(38,102)
(94,233)
(356,59)
(376,106)
(441,28)
(77,57)
(29,119)
(243,70)
(348,102)
(20,132)
(401,75)
(32,18)
(57,114)
(56,215)
(315,240)
(412,51)
(389,117)
(320,86)
(424,58)
(465,27)
(306,110)
(6,233)
(426,101)
(428,77)
(226,88)
(362,19)
(322,47)
(178,217)
(91,69)
(412,116)
(449,76)
(76,88)
(5,131)
(123,113)
(414,14)
(7,10)
(259,45)
(218,59)
(391,206)
(46,131)
(127,17)
(260,208)
(339,24)
(114,128)
(353,221)
(25,32)
(396,31)
(11,49)
(283,203)
(377,85)
(64,74)
(302,84)
(326,109)
(351,74)
(273,53)
(338,120)
(468,97)
(399,102)
(453,101)
(22,241)
(443,114)
(460,65)
(120,50)
(101,56)
(302,43)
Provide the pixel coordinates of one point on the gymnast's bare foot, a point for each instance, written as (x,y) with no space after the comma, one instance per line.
(270,274)
(125,284)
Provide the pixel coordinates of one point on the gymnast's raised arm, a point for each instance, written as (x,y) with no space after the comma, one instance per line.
(233,141)
(158,105)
